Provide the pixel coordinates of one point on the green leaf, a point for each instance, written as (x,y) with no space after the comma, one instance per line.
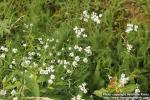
(100,92)
(31,83)
(10,86)
(129,88)
(143,81)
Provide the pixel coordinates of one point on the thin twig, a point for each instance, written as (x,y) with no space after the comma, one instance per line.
(17,21)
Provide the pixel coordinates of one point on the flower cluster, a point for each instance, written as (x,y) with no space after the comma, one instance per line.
(79,32)
(85,16)
(15,98)
(88,50)
(131,27)
(137,90)
(129,47)
(14,50)
(2,92)
(82,87)
(45,58)
(78,97)
(27,26)
(94,17)
(26,62)
(4,51)
(123,80)
(13,92)
(52,78)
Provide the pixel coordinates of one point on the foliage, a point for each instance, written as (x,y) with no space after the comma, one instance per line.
(65,49)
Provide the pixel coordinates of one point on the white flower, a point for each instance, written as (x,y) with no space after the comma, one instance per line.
(82,29)
(96,18)
(82,88)
(65,66)
(109,77)
(24,45)
(100,15)
(60,62)
(123,80)
(70,48)
(46,46)
(2,48)
(69,71)
(78,31)
(62,78)
(62,49)
(85,60)
(122,75)
(31,24)
(50,81)
(40,39)
(14,79)
(13,92)
(38,54)
(75,28)
(129,47)
(131,27)
(41,42)
(44,72)
(15,98)
(80,49)
(135,27)
(66,62)
(35,64)
(14,50)
(88,50)
(10,66)
(50,54)
(51,68)
(47,40)
(14,61)
(85,16)
(26,26)
(74,63)
(29,57)
(76,47)
(3,92)
(6,50)
(32,53)
(77,58)
(44,64)
(84,35)
(38,48)
(53,61)
(137,90)
(78,97)
(2,55)
(71,54)
(25,62)
(52,77)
